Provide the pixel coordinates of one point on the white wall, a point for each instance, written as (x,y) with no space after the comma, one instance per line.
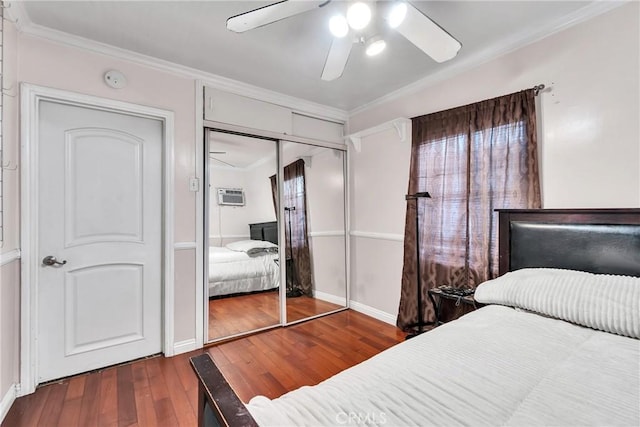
(57,65)
(589,144)
(11,143)
(50,64)
(379,181)
(259,194)
(10,271)
(325,186)
(231,223)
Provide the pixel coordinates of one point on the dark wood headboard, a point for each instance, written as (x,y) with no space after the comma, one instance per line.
(267,231)
(604,241)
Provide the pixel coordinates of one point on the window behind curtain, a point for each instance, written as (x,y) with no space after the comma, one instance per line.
(472,160)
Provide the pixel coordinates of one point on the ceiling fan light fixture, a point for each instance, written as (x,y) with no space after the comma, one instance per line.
(375,46)
(397,14)
(358,15)
(338,26)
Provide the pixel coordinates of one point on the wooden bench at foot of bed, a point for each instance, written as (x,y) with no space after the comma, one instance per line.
(218,405)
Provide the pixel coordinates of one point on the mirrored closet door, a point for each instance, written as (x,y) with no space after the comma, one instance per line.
(276,233)
(313,225)
(243,267)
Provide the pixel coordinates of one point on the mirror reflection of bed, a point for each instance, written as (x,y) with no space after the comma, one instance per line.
(243,274)
(244,278)
(244,270)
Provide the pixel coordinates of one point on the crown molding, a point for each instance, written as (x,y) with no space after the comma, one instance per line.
(24,24)
(509,45)
(18,16)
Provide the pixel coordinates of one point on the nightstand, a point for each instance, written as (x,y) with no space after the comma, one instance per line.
(437,295)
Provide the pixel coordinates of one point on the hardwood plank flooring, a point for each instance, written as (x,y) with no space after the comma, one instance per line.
(302,307)
(163,391)
(242,313)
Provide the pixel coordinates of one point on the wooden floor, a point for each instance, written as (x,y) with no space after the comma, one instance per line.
(242,313)
(236,314)
(303,307)
(163,392)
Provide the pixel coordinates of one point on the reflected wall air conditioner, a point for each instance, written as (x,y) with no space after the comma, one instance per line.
(231,196)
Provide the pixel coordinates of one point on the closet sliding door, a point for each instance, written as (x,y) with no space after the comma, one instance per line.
(242,258)
(276,232)
(313,228)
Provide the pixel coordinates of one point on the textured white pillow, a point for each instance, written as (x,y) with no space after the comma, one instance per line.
(600,301)
(247,245)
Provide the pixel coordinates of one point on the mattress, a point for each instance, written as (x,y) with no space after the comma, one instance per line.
(232,272)
(494,366)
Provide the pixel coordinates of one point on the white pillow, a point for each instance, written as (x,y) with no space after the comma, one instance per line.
(248,245)
(600,301)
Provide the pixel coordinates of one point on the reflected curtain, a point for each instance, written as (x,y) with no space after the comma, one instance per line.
(295,224)
(472,160)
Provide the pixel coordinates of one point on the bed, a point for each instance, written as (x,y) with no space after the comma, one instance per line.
(246,266)
(557,343)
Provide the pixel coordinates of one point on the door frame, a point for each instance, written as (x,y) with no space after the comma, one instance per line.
(30,99)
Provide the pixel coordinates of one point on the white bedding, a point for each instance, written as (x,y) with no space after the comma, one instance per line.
(232,272)
(610,303)
(494,366)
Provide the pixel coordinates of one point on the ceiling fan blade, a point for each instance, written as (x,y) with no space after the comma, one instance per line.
(428,36)
(268,14)
(222,161)
(337,58)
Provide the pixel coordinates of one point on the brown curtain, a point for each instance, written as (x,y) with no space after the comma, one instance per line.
(274,193)
(472,160)
(295,225)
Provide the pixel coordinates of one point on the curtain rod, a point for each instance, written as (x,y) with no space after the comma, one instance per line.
(537,89)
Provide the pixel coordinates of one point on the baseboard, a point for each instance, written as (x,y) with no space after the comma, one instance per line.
(383,316)
(7,401)
(330,298)
(184,346)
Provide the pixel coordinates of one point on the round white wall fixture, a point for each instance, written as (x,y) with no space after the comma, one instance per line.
(115,79)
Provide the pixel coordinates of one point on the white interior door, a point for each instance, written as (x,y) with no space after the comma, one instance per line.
(100,212)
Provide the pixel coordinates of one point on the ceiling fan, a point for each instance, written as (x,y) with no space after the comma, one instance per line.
(347,29)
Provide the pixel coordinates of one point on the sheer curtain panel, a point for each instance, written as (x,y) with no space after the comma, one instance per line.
(472,160)
(295,223)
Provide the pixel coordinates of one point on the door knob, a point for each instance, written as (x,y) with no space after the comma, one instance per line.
(51,260)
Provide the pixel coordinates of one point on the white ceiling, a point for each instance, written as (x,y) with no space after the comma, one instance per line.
(228,150)
(288,56)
